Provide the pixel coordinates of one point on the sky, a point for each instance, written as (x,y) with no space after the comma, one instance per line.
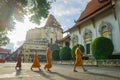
(65,12)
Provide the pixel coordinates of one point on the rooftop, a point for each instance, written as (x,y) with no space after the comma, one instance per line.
(93,8)
(2,50)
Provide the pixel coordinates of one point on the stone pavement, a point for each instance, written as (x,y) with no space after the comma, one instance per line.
(59,72)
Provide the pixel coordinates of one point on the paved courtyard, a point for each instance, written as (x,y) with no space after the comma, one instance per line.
(59,72)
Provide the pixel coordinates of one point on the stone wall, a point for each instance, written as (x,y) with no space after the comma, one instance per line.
(111,62)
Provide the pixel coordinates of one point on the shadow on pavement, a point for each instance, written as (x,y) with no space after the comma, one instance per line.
(18,72)
(55,73)
(104,75)
(64,76)
(43,74)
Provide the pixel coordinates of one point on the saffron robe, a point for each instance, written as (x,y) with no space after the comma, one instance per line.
(48,63)
(79,61)
(18,60)
(36,63)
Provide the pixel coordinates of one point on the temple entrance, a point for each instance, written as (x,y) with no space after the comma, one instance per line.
(88,48)
(26,55)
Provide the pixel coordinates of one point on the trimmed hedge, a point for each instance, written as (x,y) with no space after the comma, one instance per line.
(55,55)
(74,48)
(102,48)
(65,53)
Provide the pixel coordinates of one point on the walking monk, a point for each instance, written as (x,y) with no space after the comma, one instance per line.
(36,63)
(79,61)
(48,63)
(18,60)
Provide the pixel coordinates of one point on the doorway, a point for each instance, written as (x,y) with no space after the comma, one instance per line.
(88,48)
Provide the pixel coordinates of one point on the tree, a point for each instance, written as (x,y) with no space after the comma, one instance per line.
(39,10)
(65,53)
(16,9)
(11,10)
(102,48)
(3,38)
(55,55)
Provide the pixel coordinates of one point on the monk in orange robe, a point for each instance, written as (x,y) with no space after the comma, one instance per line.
(36,63)
(48,63)
(79,61)
(18,60)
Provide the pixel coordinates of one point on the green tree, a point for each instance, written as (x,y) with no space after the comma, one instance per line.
(55,55)
(65,53)
(16,9)
(11,10)
(3,38)
(102,48)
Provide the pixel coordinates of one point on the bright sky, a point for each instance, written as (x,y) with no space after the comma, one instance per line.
(65,11)
(18,35)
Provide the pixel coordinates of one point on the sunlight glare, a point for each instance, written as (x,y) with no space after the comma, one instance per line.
(18,35)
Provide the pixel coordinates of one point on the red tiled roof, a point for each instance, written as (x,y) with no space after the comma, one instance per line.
(4,50)
(94,7)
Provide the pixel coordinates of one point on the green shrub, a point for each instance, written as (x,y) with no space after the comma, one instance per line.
(102,48)
(65,53)
(55,55)
(74,48)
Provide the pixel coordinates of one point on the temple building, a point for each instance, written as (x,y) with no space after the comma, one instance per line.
(37,39)
(100,18)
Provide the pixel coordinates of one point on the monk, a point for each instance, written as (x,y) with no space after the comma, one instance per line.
(18,65)
(48,63)
(36,63)
(79,61)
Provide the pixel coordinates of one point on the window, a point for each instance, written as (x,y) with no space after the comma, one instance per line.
(75,39)
(87,36)
(105,29)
